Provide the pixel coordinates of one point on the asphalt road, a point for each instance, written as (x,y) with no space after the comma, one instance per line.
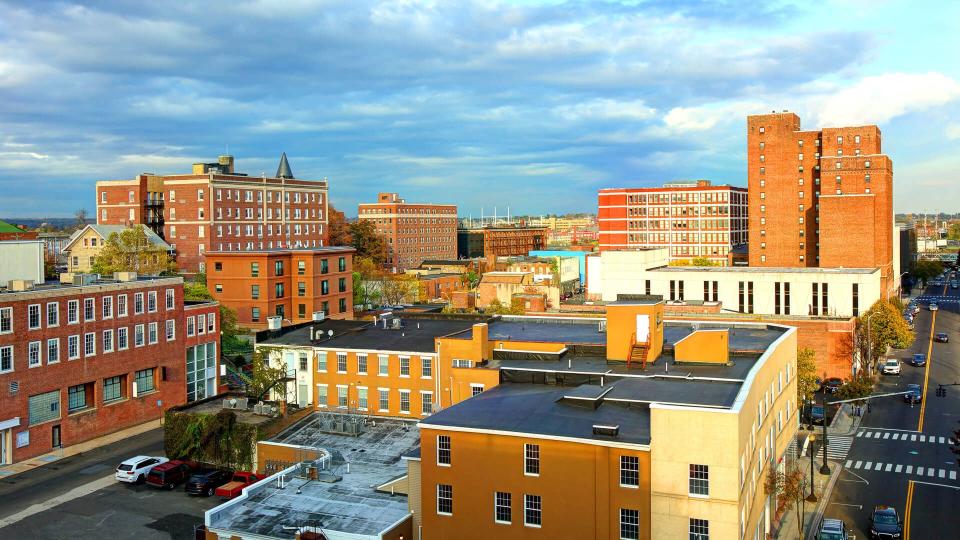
(115,511)
(901,455)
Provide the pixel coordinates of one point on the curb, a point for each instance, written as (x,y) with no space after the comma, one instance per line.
(817,515)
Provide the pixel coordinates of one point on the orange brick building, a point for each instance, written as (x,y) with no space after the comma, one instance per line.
(816,193)
(413,231)
(693,219)
(216,208)
(289,283)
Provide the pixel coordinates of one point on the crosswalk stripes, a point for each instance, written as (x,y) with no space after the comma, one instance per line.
(896,468)
(837,447)
(902,437)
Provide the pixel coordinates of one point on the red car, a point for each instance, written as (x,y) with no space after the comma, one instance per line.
(234,487)
(170,474)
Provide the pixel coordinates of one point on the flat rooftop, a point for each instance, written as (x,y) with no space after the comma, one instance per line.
(304,250)
(414,335)
(569,330)
(764,270)
(351,505)
(55,285)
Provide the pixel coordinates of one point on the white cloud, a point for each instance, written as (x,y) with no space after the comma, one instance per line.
(880,98)
(953,131)
(706,117)
(606,109)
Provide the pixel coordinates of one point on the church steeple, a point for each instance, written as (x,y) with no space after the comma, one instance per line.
(283,171)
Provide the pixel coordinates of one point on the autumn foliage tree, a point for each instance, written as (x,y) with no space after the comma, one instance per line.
(367,242)
(887,328)
(338,228)
(789,487)
(132,251)
(806,374)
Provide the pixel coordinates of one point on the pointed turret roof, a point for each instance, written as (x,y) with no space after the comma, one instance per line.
(283,171)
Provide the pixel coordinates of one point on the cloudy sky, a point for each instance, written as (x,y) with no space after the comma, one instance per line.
(532,104)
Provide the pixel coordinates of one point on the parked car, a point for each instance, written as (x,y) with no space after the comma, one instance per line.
(918,360)
(941,337)
(914,394)
(832,529)
(234,487)
(170,474)
(891,367)
(832,385)
(206,482)
(816,415)
(933,306)
(136,469)
(885,523)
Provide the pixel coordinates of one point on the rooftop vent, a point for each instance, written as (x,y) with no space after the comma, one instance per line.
(274,322)
(125,276)
(609,431)
(395,323)
(319,315)
(17,285)
(84,279)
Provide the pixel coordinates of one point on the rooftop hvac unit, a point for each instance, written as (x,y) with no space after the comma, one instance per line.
(608,430)
(84,279)
(319,315)
(395,322)
(17,285)
(125,276)
(274,322)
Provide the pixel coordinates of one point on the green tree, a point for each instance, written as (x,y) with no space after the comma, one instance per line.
(887,328)
(496,307)
(926,270)
(266,377)
(368,242)
(230,343)
(806,374)
(860,386)
(470,279)
(132,251)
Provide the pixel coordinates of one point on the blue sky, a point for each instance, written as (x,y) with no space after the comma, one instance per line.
(529,104)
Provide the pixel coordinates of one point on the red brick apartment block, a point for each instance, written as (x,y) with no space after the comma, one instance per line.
(289,283)
(91,356)
(693,219)
(413,231)
(215,208)
(821,198)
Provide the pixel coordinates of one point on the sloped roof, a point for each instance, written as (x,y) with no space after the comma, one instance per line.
(8,228)
(104,232)
(283,171)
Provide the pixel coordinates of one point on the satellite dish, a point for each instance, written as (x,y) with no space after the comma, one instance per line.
(330,333)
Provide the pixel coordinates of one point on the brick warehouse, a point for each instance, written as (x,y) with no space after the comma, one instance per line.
(91,356)
(289,283)
(814,194)
(216,208)
(414,231)
(693,219)
(500,241)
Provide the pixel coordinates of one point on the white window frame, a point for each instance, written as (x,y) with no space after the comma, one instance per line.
(89,341)
(526,447)
(55,313)
(53,358)
(106,307)
(30,311)
(426,365)
(123,344)
(422,394)
(380,396)
(171,329)
(121,305)
(361,363)
(8,351)
(6,316)
(342,360)
(152,334)
(322,403)
(75,340)
(138,305)
(171,297)
(527,507)
(105,341)
(383,365)
(139,335)
(34,354)
(402,375)
(402,394)
(151,301)
(450,513)
(497,506)
(93,309)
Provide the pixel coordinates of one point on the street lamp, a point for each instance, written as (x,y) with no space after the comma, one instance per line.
(900,279)
(813,455)
(825,469)
(870,345)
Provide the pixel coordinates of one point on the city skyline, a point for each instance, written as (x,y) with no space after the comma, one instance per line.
(518,98)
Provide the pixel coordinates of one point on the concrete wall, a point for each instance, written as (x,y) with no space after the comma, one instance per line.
(22,259)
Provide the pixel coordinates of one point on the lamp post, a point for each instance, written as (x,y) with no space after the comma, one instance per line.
(870,345)
(813,454)
(825,469)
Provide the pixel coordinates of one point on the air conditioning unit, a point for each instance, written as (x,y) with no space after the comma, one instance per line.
(16,285)
(319,315)
(275,322)
(84,279)
(125,276)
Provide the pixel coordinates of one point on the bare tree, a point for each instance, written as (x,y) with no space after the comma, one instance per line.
(789,487)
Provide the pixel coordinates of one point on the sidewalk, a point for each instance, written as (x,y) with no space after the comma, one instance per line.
(844,424)
(7,471)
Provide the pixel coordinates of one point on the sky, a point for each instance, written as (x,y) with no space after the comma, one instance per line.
(529,104)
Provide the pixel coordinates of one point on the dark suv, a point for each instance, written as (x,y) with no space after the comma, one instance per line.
(885,523)
(204,483)
(169,475)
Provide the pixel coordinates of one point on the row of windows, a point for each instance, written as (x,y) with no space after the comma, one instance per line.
(308,213)
(281,311)
(249,246)
(248,195)
(86,345)
(358,397)
(81,396)
(37,314)
(301,288)
(200,324)
(382,364)
(279,267)
(248,230)
(682,197)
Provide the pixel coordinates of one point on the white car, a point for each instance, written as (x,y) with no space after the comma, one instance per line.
(934,307)
(135,469)
(891,367)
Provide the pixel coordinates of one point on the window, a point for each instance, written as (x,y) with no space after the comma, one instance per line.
(6,359)
(629,524)
(460,363)
(699,529)
(121,305)
(211,322)
(384,366)
(426,367)
(301,288)
(531,459)
(53,314)
(73,347)
(171,330)
(191,326)
(342,285)
(303,361)
(76,397)
(278,268)
(107,341)
(324,287)
(699,480)
(89,344)
(138,303)
(321,395)
(532,511)
(171,296)
(278,289)
(88,311)
(144,381)
(384,399)
(254,269)
(255,292)
(112,389)
(342,396)
(122,339)
(341,362)
(475,389)
(501,507)
(342,305)
(629,471)
(152,333)
(322,361)
(361,364)
(445,499)
(404,366)
(138,336)
(255,314)
(443,450)
(33,354)
(44,407)
(107,307)
(33,316)
(324,266)
(152,301)
(6,320)
(301,268)
(342,264)
(426,402)
(201,324)
(405,401)
(53,350)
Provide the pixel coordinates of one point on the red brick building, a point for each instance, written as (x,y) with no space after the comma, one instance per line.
(216,208)
(816,193)
(85,358)
(12,232)
(692,219)
(289,283)
(500,241)
(413,231)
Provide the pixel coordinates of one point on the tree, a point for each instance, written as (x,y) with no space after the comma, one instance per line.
(860,386)
(806,374)
(401,288)
(364,291)
(367,242)
(789,487)
(266,377)
(338,228)
(702,261)
(496,307)
(196,291)
(132,251)
(926,270)
(470,279)
(887,328)
(81,216)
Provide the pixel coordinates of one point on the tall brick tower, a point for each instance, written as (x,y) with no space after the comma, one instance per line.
(819,198)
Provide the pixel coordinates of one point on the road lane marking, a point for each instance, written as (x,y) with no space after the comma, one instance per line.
(923,438)
(896,436)
(936,484)
(926,372)
(941,440)
(888,467)
(876,435)
(867,466)
(860,433)
(898,469)
(857,464)
(941,473)
(920,471)
(953,475)
(906,517)
(909,469)
(913,438)
(930,471)
(75,493)
(849,461)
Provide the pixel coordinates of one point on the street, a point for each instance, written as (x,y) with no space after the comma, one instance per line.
(92,505)
(900,455)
